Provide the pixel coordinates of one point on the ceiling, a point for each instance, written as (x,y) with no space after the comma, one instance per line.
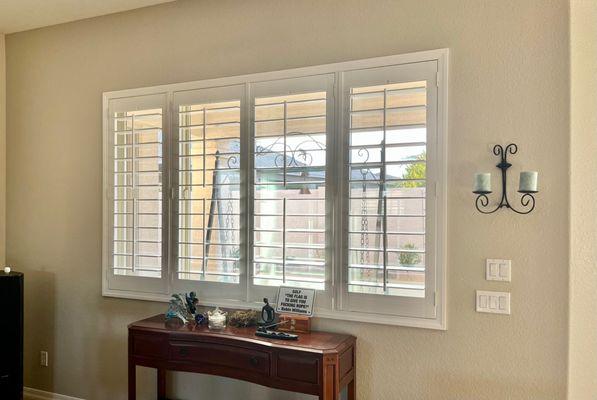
(21,15)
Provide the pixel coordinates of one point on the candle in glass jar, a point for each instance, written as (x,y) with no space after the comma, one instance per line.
(216,319)
(528,181)
(482,182)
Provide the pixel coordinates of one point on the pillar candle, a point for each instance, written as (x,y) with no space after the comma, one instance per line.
(528,181)
(482,182)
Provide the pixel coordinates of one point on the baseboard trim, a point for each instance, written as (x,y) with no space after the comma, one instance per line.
(36,394)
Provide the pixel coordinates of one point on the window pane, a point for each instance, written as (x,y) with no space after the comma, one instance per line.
(289,176)
(387,174)
(209,192)
(137,177)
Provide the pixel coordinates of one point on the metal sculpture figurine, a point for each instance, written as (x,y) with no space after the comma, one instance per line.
(268,315)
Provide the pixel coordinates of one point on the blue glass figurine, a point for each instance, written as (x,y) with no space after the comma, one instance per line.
(192,301)
(199,319)
(180,307)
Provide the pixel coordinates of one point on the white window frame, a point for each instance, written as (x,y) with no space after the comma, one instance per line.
(336,283)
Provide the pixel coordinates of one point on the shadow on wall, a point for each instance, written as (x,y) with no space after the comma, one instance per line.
(40,302)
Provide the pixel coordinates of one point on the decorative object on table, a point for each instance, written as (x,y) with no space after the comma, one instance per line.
(200,319)
(268,315)
(191,301)
(243,318)
(527,184)
(295,323)
(263,331)
(182,306)
(216,319)
(293,300)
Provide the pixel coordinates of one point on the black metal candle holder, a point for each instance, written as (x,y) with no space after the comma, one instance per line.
(527,200)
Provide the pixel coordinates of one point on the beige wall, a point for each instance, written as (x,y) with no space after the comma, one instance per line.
(509,82)
(583,233)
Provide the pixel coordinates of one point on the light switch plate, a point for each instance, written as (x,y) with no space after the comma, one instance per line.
(498,270)
(493,302)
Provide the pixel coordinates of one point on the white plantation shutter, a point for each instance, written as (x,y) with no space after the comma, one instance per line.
(136,179)
(209,241)
(390,147)
(330,177)
(290,127)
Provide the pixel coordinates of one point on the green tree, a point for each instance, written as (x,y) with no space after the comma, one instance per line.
(415,171)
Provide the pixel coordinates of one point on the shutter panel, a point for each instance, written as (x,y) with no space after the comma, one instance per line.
(209,192)
(387,153)
(209,241)
(390,131)
(136,159)
(290,129)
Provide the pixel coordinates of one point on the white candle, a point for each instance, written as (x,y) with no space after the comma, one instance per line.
(482,182)
(7,270)
(528,181)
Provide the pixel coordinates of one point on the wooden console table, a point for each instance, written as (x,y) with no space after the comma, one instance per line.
(318,363)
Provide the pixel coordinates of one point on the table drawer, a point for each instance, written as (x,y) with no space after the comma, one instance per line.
(298,367)
(221,355)
(149,346)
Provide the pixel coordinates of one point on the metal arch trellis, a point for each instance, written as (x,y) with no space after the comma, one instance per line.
(222,177)
(364,256)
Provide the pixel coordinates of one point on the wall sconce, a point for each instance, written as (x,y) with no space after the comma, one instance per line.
(527,185)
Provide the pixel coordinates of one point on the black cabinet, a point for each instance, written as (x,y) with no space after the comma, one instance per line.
(11,335)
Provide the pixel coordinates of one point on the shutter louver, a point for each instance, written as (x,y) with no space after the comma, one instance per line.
(289,196)
(208,195)
(387,189)
(137,193)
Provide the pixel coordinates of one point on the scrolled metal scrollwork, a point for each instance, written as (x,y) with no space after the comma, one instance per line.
(298,155)
(527,200)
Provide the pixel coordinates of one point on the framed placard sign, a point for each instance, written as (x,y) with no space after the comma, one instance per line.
(295,301)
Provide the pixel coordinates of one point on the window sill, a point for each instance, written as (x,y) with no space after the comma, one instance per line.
(424,323)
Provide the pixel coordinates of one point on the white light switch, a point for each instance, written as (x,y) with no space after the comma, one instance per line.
(493,302)
(498,270)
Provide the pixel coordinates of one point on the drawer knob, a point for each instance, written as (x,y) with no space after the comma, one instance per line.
(254,361)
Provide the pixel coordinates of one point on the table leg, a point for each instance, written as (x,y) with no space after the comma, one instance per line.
(330,388)
(132,381)
(161,384)
(352,390)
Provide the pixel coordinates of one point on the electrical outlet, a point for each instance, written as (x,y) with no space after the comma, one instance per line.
(43,358)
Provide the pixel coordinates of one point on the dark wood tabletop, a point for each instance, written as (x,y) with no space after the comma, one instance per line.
(317,342)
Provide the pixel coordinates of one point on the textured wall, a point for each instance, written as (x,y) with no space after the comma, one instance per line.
(583,233)
(509,82)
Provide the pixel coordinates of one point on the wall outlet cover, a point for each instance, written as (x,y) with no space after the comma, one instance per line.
(493,302)
(498,270)
(43,358)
